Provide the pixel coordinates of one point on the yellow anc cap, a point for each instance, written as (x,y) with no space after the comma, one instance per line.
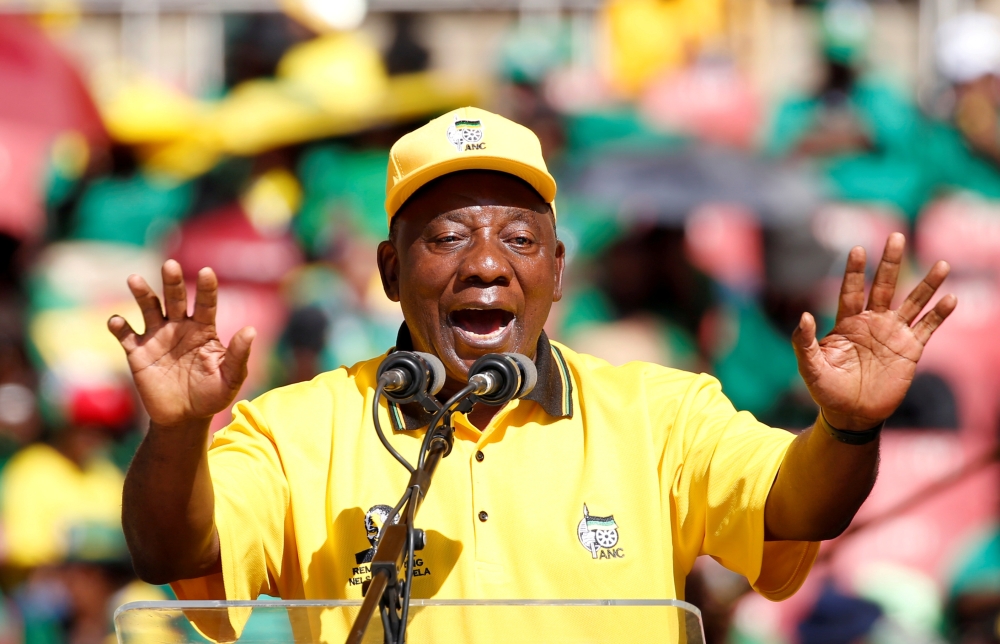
(465,139)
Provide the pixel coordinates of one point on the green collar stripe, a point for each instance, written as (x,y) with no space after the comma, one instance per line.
(397,417)
(567,408)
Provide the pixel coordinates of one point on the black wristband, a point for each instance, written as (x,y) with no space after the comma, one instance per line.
(848,437)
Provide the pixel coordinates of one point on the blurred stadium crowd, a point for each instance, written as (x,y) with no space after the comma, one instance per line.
(700,221)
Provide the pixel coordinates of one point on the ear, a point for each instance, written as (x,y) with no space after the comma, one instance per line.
(388,269)
(560,266)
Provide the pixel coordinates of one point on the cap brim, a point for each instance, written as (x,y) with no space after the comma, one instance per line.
(541,181)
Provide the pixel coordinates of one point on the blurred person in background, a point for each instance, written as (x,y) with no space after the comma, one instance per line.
(965,150)
(406,53)
(20,422)
(972,589)
(716,591)
(838,618)
(304,339)
(60,506)
(861,133)
(645,301)
(973,608)
(747,336)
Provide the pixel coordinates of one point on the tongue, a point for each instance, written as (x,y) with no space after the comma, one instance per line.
(479,322)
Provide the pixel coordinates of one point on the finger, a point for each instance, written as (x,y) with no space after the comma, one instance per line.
(852,290)
(234,365)
(924,291)
(121,329)
(174,291)
(884,285)
(206,297)
(806,347)
(149,304)
(930,322)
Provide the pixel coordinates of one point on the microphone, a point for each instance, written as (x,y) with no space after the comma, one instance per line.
(501,377)
(406,376)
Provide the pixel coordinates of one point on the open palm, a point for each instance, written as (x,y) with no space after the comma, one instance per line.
(859,373)
(181,369)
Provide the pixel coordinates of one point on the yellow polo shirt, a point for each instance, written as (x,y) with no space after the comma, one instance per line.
(606,482)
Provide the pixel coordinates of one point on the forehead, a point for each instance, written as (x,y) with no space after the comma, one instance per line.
(472,188)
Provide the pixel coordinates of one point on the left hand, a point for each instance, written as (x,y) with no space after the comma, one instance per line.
(860,372)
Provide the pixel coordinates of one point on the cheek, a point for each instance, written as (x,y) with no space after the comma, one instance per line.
(424,275)
(538,282)
(538,273)
(421,285)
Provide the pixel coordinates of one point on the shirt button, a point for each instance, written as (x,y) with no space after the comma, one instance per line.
(480,456)
(483,516)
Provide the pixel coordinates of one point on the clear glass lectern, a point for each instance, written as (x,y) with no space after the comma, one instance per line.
(431,621)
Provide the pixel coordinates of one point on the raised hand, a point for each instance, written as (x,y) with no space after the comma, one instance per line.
(860,372)
(181,369)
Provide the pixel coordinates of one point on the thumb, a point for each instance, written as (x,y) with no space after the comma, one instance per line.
(234,365)
(806,348)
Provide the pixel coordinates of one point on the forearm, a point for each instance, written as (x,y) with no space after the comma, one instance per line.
(168,505)
(820,486)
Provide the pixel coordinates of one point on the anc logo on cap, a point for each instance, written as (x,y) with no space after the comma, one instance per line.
(466,134)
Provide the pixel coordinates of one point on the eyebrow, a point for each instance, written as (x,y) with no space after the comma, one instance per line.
(515,213)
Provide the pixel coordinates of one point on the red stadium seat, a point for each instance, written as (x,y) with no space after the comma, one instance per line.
(725,242)
(965,352)
(964,231)
(712,101)
(929,536)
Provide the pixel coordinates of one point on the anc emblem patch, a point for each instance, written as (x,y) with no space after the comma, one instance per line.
(599,535)
(466,134)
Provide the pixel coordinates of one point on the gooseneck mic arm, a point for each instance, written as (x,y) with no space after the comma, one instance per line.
(494,379)
(398,540)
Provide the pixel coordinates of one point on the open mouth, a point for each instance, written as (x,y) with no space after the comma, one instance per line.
(481,324)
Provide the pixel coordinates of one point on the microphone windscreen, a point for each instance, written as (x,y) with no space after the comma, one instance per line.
(528,372)
(437,371)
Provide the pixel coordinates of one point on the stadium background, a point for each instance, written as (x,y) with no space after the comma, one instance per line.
(716,161)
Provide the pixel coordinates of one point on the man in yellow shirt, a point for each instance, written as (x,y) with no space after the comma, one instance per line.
(603,482)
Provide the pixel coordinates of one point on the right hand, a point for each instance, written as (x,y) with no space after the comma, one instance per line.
(182,371)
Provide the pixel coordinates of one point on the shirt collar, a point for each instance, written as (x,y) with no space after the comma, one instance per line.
(553,391)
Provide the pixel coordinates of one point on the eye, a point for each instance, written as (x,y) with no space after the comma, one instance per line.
(447,238)
(520,240)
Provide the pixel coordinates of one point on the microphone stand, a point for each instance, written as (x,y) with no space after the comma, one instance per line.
(399,540)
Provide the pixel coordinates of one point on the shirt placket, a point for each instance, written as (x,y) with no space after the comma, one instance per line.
(489,568)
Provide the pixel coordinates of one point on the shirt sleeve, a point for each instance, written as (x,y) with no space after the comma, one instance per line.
(251,505)
(720,465)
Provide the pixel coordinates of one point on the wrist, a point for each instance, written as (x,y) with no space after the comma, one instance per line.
(183,427)
(849,436)
(850,423)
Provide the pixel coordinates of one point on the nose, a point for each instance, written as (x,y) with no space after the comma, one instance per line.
(485,263)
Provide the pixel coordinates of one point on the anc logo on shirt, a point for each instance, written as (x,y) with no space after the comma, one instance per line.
(599,535)
(466,134)
(375,520)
